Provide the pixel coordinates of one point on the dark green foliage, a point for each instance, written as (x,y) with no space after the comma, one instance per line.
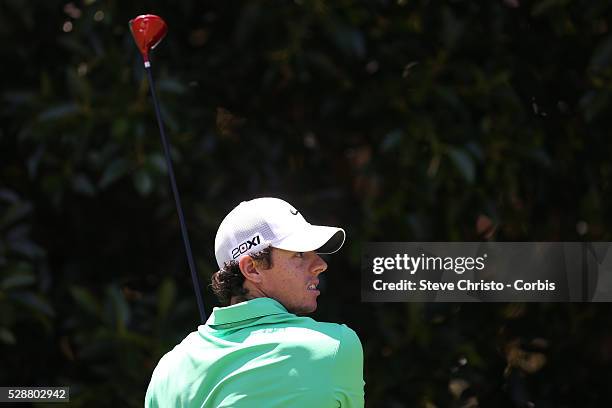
(400,120)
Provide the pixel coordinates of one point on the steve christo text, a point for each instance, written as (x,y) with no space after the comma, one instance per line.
(425,285)
(459,265)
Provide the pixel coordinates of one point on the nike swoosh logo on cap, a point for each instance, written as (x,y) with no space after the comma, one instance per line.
(294,212)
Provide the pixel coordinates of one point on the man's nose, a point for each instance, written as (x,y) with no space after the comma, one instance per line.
(319,265)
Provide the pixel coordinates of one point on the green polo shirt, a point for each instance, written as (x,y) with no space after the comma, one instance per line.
(257,354)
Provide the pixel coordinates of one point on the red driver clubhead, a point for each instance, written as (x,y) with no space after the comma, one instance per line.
(148,30)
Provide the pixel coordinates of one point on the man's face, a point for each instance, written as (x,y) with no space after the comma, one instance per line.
(293,279)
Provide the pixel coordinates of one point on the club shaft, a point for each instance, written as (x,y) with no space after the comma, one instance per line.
(177,199)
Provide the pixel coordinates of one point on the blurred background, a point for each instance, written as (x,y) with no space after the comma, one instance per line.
(399,120)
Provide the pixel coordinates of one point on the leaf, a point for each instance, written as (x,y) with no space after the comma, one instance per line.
(17,281)
(171,85)
(120,127)
(540,156)
(120,310)
(85,300)
(78,85)
(33,301)
(166,295)
(247,23)
(117,169)
(544,6)
(15,213)
(59,112)
(391,140)
(27,248)
(158,162)
(464,163)
(602,55)
(138,340)
(74,46)
(593,104)
(227,122)
(169,119)
(475,149)
(350,40)
(82,184)
(8,195)
(34,161)
(324,64)
(18,97)
(143,182)
(6,336)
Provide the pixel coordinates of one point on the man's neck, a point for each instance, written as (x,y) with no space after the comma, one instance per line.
(252,292)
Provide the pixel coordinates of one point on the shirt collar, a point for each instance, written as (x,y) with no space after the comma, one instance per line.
(250,309)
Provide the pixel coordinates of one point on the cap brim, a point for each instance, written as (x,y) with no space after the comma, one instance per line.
(318,238)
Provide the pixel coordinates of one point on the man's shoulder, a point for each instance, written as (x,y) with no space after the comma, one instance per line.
(340,332)
(348,345)
(332,329)
(337,330)
(175,356)
(330,332)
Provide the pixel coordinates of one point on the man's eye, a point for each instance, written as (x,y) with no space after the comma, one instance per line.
(299,254)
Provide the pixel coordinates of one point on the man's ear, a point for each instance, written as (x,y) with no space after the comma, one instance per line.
(249,269)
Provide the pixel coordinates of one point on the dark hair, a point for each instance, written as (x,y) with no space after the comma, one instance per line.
(228,281)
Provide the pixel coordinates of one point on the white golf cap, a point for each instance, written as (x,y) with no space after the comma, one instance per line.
(256,224)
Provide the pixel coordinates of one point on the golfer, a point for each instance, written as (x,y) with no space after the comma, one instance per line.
(258,351)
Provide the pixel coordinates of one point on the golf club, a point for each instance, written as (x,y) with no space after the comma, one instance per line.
(148,30)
